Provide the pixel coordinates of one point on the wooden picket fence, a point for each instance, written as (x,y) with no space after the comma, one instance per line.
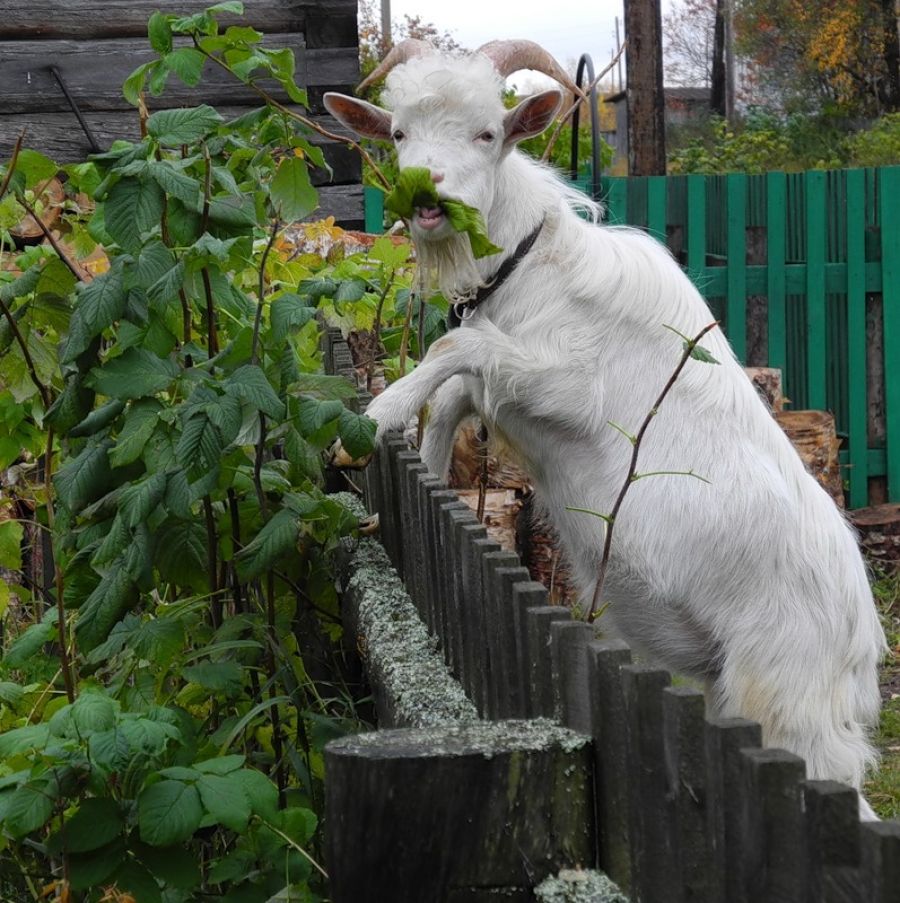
(684,808)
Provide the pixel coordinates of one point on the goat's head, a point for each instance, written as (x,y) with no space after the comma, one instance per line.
(447,114)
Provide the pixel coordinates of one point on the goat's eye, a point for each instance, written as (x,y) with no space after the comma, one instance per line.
(398,135)
(486,136)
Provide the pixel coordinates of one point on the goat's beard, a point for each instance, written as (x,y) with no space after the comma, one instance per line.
(449,267)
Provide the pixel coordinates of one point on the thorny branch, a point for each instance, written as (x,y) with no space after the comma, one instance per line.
(632,476)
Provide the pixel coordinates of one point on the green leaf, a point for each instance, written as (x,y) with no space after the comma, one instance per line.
(35,167)
(29,643)
(23,739)
(132,207)
(94,867)
(200,446)
(167,286)
(221,764)
(140,422)
(84,478)
(292,193)
(138,501)
(350,290)
(29,807)
(160,33)
(262,793)
(323,386)
(181,555)
(277,538)
(98,420)
(12,694)
(71,405)
(289,312)
(99,304)
(187,64)
(225,677)
(226,800)
(11,533)
(184,125)
(699,353)
(159,640)
(133,86)
(97,822)
(227,6)
(234,212)
(110,750)
(415,188)
(177,866)
(136,373)
(169,812)
(250,384)
(357,433)
(175,182)
(313,414)
(138,882)
(104,608)
(93,712)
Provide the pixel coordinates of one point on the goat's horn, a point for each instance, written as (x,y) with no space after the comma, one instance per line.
(400,53)
(510,56)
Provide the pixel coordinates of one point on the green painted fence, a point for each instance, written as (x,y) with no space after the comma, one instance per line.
(803,271)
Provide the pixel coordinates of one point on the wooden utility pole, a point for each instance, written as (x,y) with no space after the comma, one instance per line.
(644,88)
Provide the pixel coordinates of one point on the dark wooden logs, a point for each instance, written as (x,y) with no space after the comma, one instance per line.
(879,529)
(476,813)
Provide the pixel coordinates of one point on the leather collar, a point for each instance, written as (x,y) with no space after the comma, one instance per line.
(464,309)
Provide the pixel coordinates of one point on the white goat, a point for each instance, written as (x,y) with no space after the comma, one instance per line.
(752,582)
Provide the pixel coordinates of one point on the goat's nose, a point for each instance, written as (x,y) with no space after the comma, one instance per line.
(437,177)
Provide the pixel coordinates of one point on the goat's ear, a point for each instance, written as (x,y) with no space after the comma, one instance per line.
(363,118)
(531,116)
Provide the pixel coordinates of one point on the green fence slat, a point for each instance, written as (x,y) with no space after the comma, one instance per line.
(373,203)
(696,226)
(616,201)
(856,339)
(776,191)
(889,191)
(656,207)
(736,305)
(815,290)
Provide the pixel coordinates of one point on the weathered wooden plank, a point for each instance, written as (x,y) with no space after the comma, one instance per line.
(475,540)
(441,504)
(498,689)
(389,516)
(568,658)
(881,860)
(454,520)
(461,524)
(507,579)
(725,738)
(774,839)
(414,533)
(59,136)
(94,73)
(652,867)
(476,812)
(684,730)
(128,18)
(611,768)
(538,624)
(436,498)
(526,596)
(832,839)
(428,483)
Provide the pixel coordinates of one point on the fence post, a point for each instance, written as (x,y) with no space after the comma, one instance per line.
(652,872)
(441,500)
(774,837)
(832,839)
(881,860)
(453,520)
(427,484)
(538,622)
(506,580)
(568,658)
(474,542)
(409,466)
(683,726)
(725,739)
(611,767)
(526,596)
(401,456)
(494,625)
(389,515)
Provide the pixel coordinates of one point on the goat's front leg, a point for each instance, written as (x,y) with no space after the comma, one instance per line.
(451,404)
(451,355)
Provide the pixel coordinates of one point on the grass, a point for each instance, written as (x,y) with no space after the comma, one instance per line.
(883,788)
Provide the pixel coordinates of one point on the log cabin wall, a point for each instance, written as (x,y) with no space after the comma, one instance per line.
(95,44)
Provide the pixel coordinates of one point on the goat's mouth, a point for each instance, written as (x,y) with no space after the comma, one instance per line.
(429,218)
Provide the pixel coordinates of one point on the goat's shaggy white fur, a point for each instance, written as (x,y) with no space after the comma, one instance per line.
(751,582)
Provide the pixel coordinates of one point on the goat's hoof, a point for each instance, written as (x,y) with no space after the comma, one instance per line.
(343,461)
(369,526)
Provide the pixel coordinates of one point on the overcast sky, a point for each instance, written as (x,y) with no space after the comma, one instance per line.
(567,28)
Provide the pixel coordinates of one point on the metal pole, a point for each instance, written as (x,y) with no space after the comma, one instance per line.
(386,24)
(618,46)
